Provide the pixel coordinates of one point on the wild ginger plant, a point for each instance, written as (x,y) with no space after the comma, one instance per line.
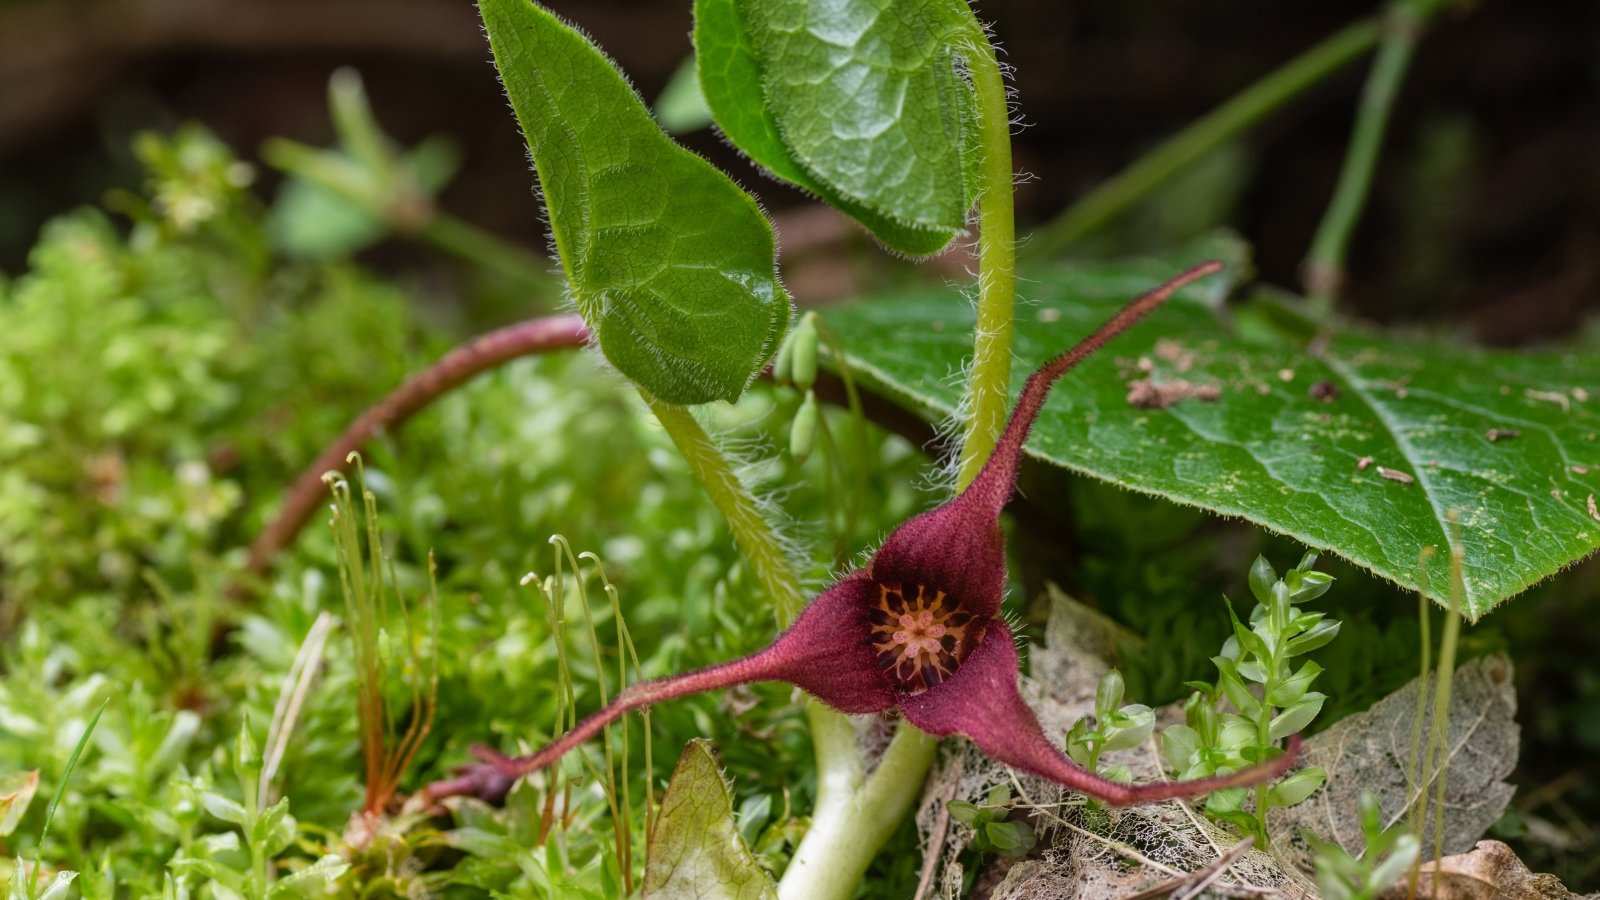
(897,114)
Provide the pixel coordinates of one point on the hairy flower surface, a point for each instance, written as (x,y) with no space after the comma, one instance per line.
(916,631)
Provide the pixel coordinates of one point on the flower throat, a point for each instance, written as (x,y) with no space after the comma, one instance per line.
(921,635)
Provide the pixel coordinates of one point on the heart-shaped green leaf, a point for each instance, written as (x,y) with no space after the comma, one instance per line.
(695,848)
(857,101)
(1367,448)
(671,264)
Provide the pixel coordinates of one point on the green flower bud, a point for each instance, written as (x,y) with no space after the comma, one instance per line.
(803,430)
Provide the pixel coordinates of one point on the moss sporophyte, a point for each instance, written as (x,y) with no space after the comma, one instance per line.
(915,631)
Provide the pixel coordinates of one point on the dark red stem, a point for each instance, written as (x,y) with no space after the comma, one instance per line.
(1152,792)
(458,366)
(492,778)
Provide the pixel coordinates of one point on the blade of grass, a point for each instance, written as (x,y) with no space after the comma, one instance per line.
(1425,652)
(1441,693)
(61,790)
(291,699)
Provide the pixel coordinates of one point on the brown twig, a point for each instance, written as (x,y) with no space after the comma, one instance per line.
(459,365)
(937,836)
(1191,884)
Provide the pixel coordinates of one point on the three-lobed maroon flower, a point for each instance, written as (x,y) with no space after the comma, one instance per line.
(915,631)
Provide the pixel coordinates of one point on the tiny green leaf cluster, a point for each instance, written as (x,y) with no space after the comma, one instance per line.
(1388,853)
(993,829)
(241,868)
(1112,727)
(1260,696)
(339,201)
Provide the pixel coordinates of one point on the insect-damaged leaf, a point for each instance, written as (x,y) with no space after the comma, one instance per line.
(696,850)
(857,101)
(671,264)
(1365,449)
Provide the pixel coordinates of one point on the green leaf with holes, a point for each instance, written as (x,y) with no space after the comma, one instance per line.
(671,264)
(695,848)
(1367,449)
(861,102)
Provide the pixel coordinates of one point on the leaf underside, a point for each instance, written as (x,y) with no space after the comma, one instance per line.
(860,102)
(1367,450)
(696,850)
(671,264)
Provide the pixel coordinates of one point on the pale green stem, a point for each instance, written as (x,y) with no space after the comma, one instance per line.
(483,249)
(833,737)
(1325,265)
(847,833)
(844,837)
(756,541)
(1425,652)
(1219,126)
(1440,767)
(989,386)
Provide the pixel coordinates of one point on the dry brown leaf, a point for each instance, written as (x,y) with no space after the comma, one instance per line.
(1370,751)
(1491,871)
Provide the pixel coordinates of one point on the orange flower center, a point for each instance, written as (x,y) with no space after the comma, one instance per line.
(921,635)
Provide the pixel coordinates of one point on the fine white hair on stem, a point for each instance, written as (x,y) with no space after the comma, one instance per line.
(754,462)
(943,477)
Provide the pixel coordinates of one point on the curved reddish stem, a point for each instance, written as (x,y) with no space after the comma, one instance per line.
(995,481)
(491,779)
(1118,794)
(459,365)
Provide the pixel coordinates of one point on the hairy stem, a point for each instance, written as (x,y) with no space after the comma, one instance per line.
(456,367)
(1224,123)
(833,737)
(849,828)
(989,386)
(1402,26)
(757,542)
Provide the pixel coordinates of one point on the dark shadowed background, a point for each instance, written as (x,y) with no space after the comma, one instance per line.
(1486,206)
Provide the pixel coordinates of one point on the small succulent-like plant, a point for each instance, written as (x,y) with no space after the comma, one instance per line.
(916,631)
(1389,853)
(1260,697)
(993,829)
(1112,727)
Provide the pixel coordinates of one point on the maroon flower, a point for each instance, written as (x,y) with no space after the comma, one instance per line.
(916,631)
